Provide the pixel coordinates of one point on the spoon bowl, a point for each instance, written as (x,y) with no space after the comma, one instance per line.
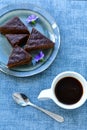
(21,99)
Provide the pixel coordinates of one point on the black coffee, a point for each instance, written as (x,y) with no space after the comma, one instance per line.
(68,90)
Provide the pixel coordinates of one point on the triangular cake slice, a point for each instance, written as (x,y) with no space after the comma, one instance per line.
(14,26)
(18,57)
(38,41)
(17,39)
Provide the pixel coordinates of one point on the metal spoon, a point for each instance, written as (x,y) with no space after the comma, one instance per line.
(23,100)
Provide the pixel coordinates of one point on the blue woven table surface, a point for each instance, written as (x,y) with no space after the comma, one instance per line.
(71,17)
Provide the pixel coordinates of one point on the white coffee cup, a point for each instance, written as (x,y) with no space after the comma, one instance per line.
(50,93)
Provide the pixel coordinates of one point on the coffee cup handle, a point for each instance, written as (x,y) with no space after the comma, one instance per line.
(45,94)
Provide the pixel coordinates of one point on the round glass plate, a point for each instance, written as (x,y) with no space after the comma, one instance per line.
(45,24)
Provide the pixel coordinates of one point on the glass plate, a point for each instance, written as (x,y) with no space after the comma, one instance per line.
(45,24)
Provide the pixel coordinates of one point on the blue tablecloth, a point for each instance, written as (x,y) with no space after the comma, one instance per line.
(71,17)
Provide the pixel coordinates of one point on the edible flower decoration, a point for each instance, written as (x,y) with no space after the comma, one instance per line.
(32,19)
(38,57)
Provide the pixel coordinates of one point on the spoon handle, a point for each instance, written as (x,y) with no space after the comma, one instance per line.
(52,115)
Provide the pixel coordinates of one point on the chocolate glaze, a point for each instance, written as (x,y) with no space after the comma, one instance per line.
(17,39)
(38,41)
(14,26)
(18,57)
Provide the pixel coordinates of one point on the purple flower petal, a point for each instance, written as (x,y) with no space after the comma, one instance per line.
(32,18)
(39,56)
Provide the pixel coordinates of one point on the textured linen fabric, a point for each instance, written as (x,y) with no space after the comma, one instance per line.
(71,17)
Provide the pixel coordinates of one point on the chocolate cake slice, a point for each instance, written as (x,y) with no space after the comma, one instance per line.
(17,39)
(14,26)
(38,41)
(18,57)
